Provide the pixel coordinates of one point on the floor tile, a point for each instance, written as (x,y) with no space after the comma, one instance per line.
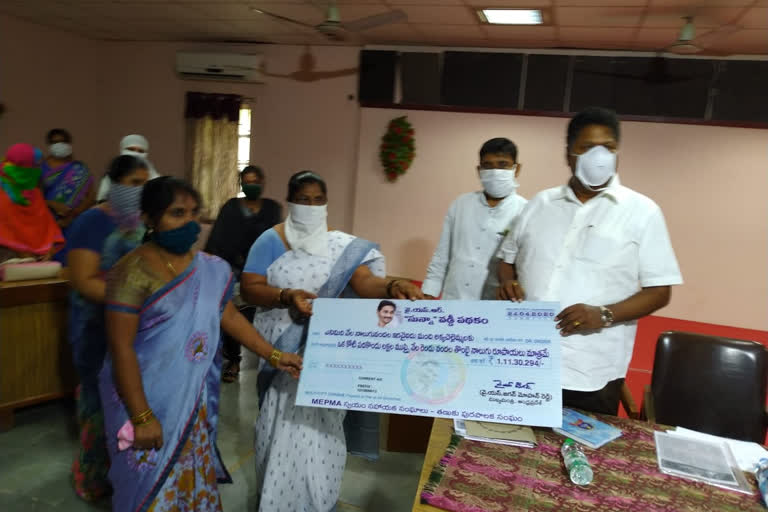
(38,451)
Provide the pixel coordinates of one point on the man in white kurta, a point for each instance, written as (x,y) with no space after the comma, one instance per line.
(464,265)
(600,249)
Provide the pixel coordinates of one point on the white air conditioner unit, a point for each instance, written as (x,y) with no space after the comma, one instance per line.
(235,67)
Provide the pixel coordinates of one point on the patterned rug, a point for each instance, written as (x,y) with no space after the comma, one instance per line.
(483,477)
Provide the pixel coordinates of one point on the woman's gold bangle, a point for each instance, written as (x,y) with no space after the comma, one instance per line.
(143,418)
(145,422)
(142,415)
(274,359)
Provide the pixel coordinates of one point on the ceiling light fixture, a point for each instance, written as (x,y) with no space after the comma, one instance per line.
(511,16)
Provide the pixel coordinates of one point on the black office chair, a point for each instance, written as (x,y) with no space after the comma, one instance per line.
(709,384)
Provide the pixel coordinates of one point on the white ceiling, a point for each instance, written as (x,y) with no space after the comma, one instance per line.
(724,26)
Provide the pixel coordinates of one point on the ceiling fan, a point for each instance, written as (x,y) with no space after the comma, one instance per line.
(688,44)
(336,30)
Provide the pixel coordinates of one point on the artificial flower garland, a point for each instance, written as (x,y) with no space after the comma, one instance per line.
(397,148)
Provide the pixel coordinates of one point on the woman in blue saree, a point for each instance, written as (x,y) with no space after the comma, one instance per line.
(288,266)
(160,381)
(67,184)
(98,239)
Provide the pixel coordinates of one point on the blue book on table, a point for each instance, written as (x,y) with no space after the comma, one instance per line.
(586,430)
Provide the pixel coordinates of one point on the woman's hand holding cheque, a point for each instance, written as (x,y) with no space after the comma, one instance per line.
(240,329)
(300,300)
(290,363)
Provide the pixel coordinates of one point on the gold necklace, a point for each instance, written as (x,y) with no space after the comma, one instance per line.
(167,262)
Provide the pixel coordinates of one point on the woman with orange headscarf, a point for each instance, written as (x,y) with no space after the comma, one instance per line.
(27,228)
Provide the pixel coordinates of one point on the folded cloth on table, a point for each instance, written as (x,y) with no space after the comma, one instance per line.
(11,270)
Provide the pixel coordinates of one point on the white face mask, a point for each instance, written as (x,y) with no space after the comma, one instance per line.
(308,217)
(307,228)
(499,183)
(60,149)
(596,167)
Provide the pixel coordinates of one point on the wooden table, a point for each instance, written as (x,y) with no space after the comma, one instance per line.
(35,356)
(524,479)
(442,430)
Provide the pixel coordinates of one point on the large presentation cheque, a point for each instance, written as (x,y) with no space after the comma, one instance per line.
(494,361)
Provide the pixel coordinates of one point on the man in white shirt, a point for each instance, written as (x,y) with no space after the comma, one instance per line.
(598,248)
(464,263)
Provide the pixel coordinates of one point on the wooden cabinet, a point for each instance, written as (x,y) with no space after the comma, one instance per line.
(35,356)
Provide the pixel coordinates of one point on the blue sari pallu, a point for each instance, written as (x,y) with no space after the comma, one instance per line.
(178,346)
(361,429)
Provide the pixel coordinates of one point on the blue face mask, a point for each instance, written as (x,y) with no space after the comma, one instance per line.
(179,240)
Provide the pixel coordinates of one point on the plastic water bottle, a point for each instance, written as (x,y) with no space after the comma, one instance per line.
(576,463)
(761,474)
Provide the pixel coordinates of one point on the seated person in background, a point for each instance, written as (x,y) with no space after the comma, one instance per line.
(27,228)
(97,240)
(464,264)
(67,184)
(240,222)
(131,145)
(598,248)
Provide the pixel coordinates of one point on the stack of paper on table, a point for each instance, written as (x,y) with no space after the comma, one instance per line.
(586,429)
(747,454)
(497,433)
(703,460)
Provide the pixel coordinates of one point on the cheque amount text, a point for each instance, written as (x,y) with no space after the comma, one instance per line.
(531,363)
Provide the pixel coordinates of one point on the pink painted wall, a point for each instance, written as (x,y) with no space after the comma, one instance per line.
(105,90)
(47,81)
(709,181)
(296,125)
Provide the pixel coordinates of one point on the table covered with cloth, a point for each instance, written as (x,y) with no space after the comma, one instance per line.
(474,476)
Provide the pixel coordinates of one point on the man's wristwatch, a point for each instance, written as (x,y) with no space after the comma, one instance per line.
(606,315)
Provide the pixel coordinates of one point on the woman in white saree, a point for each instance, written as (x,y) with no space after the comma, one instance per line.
(301,451)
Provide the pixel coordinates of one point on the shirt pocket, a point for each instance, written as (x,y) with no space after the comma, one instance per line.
(604,249)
